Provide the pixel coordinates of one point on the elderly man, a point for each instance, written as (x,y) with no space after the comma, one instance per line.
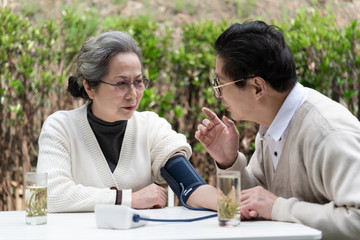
(307,160)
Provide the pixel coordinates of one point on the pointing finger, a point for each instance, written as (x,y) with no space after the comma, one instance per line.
(212,116)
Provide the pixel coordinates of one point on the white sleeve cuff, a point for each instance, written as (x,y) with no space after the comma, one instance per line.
(126,197)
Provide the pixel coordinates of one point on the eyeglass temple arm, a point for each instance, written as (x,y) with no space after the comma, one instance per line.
(225,84)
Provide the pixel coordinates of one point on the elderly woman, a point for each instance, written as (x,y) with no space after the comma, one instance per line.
(105,152)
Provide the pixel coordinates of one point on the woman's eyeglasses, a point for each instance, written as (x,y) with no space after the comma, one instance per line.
(217,87)
(124,86)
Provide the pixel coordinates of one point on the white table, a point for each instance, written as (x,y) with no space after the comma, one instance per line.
(83,226)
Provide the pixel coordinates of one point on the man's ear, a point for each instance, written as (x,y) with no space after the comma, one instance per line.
(260,87)
(88,89)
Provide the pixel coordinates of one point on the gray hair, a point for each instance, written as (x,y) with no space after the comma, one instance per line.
(95,54)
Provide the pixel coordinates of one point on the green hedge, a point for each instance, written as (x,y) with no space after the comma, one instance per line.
(327,58)
(37,58)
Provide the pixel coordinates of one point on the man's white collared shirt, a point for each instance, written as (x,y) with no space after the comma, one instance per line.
(275,135)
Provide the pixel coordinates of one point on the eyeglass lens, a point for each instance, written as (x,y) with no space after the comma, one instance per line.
(215,84)
(139,85)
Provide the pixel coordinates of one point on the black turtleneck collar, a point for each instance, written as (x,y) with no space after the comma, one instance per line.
(109,135)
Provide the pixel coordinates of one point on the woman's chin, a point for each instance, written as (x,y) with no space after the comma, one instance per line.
(127,114)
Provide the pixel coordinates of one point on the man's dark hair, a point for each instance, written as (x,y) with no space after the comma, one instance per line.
(257,49)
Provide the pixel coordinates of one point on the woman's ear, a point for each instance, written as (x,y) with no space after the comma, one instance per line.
(260,87)
(88,89)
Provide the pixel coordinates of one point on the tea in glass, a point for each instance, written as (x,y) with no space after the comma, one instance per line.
(228,187)
(36,198)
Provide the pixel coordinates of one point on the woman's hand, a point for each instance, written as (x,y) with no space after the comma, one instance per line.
(221,139)
(149,197)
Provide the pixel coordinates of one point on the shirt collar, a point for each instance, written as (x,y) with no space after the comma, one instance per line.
(287,111)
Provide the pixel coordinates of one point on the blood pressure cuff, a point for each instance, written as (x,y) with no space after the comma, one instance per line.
(179,170)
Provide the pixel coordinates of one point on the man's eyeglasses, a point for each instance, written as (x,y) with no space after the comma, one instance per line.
(217,87)
(124,86)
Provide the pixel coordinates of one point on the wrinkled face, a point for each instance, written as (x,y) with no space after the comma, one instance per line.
(110,103)
(238,101)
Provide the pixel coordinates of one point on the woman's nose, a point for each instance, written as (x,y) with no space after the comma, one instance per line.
(131,91)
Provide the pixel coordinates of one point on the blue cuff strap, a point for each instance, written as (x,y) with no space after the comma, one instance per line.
(179,170)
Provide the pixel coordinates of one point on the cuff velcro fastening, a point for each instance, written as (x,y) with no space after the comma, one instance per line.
(179,170)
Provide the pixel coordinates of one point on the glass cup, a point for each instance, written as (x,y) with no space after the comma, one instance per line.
(228,204)
(36,198)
